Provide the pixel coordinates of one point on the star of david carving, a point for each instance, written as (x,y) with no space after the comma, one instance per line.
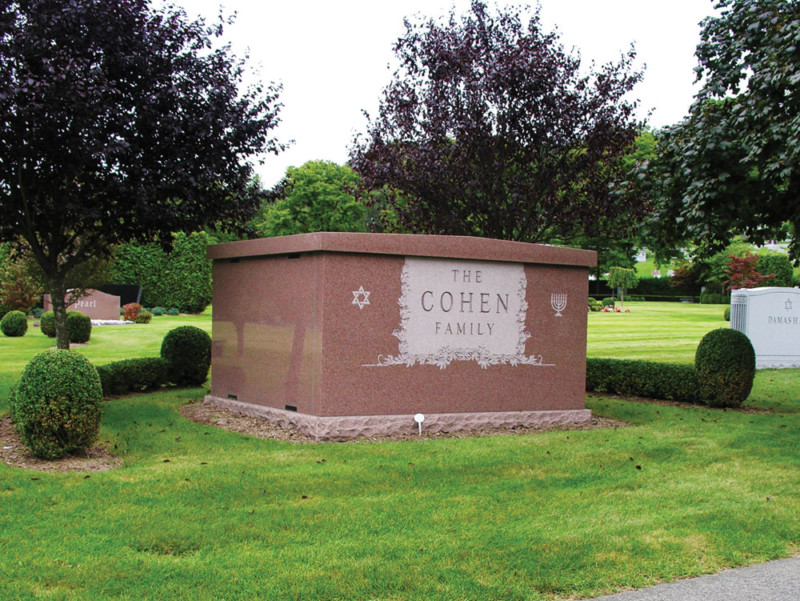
(788,304)
(360,297)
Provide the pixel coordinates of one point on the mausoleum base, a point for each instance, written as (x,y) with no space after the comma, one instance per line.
(350,427)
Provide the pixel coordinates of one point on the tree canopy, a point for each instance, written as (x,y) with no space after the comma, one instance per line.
(490,128)
(120,122)
(731,167)
(319,196)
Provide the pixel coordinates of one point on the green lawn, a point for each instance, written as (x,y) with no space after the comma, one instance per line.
(200,513)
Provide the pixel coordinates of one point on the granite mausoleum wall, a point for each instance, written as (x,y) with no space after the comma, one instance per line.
(347,335)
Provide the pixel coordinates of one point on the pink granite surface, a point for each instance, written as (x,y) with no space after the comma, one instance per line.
(343,428)
(286,331)
(96,305)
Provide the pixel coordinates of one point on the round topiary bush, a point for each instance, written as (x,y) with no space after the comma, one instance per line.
(158,311)
(79,327)
(726,365)
(14,323)
(187,350)
(48,324)
(56,405)
(726,314)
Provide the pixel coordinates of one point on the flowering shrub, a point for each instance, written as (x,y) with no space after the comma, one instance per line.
(131,311)
(610,309)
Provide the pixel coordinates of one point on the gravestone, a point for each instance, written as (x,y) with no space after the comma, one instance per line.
(95,304)
(770,317)
(346,335)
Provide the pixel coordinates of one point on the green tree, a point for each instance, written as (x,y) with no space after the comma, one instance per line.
(779,265)
(623,278)
(319,196)
(620,237)
(733,165)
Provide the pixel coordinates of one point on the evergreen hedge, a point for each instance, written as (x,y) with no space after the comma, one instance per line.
(667,381)
(180,278)
(133,375)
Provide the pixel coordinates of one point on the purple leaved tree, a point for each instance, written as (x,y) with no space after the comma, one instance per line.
(120,123)
(489,128)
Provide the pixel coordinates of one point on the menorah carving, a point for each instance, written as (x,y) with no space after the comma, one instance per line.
(559,302)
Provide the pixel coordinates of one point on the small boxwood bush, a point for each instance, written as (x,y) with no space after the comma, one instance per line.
(609,301)
(709,298)
(56,405)
(158,311)
(726,365)
(187,350)
(143,317)
(726,314)
(14,324)
(174,311)
(594,304)
(79,327)
(667,381)
(133,375)
(48,324)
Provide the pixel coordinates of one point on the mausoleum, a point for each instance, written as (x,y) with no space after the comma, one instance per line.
(345,335)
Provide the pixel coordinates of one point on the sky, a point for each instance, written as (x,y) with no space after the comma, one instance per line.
(334,57)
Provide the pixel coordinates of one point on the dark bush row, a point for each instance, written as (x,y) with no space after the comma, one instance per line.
(185,360)
(133,375)
(667,381)
(722,374)
(653,289)
(79,326)
(710,298)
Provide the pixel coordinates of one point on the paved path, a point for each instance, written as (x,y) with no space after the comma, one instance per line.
(773,581)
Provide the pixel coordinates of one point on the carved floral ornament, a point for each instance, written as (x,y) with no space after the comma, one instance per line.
(462,311)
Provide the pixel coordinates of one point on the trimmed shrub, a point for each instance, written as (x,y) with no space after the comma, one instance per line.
(130,311)
(780,265)
(48,324)
(609,302)
(79,327)
(158,311)
(711,298)
(667,381)
(726,365)
(726,314)
(133,375)
(14,324)
(187,350)
(144,317)
(57,404)
(594,304)
(174,311)
(180,278)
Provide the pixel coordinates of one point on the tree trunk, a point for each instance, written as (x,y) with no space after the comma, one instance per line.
(57,294)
